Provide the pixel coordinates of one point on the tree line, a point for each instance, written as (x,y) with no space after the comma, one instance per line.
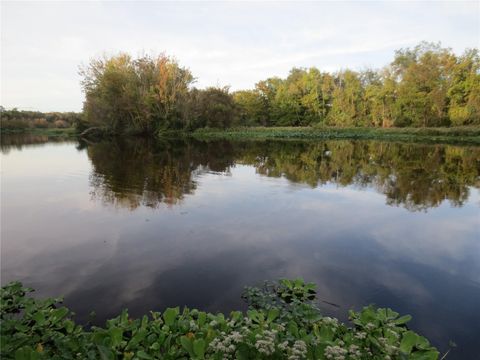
(18,120)
(424,86)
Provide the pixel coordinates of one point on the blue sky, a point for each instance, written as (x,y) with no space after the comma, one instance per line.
(223,43)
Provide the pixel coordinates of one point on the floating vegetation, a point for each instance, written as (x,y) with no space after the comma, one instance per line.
(283,322)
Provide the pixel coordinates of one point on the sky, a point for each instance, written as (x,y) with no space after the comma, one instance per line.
(232,44)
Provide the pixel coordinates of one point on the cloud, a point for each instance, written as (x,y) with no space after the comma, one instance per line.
(234,43)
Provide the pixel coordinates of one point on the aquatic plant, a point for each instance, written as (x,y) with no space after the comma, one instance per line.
(283,322)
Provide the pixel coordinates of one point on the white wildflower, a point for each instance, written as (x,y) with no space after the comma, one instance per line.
(193,325)
(335,352)
(354,351)
(236,336)
(283,346)
(264,346)
(299,350)
(360,335)
(266,343)
(231,323)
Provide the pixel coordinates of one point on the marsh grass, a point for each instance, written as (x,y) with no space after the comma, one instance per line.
(454,135)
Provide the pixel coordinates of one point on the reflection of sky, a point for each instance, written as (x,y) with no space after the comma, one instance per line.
(233,231)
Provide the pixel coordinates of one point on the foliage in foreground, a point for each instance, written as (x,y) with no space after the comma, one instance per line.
(282,323)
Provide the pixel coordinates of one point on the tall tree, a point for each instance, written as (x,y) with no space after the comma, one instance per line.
(464,92)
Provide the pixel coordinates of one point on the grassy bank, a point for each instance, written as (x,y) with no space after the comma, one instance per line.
(283,322)
(468,135)
(458,135)
(65,132)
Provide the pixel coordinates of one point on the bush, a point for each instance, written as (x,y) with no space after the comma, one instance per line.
(282,323)
(18,120)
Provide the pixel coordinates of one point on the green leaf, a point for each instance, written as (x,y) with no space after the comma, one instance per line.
(144,323)
(143,355)
(155,346)
(409,339)
(26,353)
(367,315)
(137,338)
(293,328)
(69,326)
(390,314)
(187,344)
(272,314)
(105,353)
(170,314)
(243,352)
(423,343)
(326,333)
(59,314)
(402,320)
(202,316)
(39,318)
(116,336)
(252,315)
(124,318)
(199,348)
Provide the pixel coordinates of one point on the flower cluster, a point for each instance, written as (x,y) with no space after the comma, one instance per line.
(360,335)
(193,326)
(226,343)
(390,349)
(354,351)
(335,352)
(266,344)
(299,350)
(330,322)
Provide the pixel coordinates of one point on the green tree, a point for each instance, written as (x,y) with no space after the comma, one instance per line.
(464,92)
(424,75)
(347,100)
(215,108)
(142,95)
(252,108)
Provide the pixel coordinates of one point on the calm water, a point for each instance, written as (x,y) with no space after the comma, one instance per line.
(148,225)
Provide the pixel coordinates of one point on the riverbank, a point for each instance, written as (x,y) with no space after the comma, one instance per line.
(452,135)
(61,132)
(467,135)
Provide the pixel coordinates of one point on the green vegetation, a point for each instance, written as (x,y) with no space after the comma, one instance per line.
(282,322)
(427,86)
(34,121)
(62,133)
(149,96)
(457,135)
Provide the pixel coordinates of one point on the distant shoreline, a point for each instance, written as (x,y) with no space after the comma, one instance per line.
(453,135)
(467,135)
(70,132)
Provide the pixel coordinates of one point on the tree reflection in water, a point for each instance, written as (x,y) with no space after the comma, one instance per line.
(133,172)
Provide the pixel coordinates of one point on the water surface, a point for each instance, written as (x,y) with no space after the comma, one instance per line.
(148,225)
